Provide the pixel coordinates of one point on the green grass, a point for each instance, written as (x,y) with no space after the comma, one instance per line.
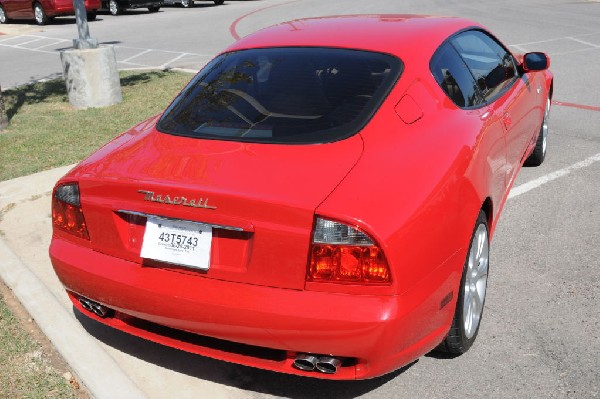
(24,371)
(46,132)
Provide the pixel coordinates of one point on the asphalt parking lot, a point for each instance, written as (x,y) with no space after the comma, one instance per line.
(540,335)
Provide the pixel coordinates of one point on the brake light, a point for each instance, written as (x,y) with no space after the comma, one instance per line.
(343,254)
(66,211)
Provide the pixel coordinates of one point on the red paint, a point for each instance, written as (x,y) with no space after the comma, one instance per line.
(233,26)
(579,106)
(414,186)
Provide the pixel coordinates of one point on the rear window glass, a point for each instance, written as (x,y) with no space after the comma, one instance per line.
(283,95)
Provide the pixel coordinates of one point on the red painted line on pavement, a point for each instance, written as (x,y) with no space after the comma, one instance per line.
(580,106)
(233,26)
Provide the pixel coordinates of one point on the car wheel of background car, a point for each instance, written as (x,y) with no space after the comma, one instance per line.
(91,15)
(536,158)
(219,2)
(3,18)
(114,7)
(40,15)
(186,3)
(471,296)
(153,9)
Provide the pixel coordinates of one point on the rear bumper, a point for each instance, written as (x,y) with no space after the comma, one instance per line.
(373,331)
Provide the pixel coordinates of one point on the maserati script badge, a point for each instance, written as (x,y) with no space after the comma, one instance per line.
(166,199)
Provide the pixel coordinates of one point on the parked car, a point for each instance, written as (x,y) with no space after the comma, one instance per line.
(116,7)
(188,3)
(319,200)
(43,11)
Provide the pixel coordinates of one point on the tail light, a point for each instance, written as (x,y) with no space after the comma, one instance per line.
(66,211)
(343,254)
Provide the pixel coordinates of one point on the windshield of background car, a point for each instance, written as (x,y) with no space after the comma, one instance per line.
(283,95)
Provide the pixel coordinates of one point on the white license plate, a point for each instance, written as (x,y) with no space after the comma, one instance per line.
(177,241)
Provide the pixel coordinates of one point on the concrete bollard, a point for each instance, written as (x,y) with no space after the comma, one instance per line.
(91,77)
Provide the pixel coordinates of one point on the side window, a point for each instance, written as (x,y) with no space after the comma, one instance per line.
(453,76)
(491,64)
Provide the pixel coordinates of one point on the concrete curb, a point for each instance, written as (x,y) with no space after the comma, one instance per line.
(95,368)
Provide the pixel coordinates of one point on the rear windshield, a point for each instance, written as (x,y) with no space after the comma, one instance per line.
(283,95)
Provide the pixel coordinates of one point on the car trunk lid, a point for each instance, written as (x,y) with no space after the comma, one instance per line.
(259,198)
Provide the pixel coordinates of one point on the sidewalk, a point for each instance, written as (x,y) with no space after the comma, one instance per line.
(107,371)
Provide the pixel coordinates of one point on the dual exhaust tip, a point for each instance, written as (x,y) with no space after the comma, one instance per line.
(324,364)
(96,308)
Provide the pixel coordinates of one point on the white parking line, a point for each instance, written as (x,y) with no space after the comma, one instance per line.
(135,56)
(31,41)
(8,39)
(530,185)
(175,59)
(519,48)
(583,42)
(557,38)
(51,44)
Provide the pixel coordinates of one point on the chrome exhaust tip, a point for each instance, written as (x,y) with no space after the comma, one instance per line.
(94,307)
(328,364)
(305,361)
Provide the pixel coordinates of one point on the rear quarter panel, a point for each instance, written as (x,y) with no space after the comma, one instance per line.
(417,190)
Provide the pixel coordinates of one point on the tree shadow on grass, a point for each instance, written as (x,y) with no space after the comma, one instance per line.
(140,78)
(41,91)
(32,93)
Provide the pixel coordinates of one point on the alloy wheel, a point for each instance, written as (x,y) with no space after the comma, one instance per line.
(475,281)
(113,7)
(39,14)
(545,126)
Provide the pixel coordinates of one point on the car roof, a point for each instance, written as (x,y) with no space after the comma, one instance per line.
(398,34)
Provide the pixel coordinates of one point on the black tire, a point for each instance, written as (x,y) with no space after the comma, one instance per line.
(537,156)
(40,14)
(187,3)
(114,8)
(473,283)
(91,15)
(3,17)
(153,9)
(219,2)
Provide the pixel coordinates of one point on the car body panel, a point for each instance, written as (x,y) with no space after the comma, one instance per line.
(414,179)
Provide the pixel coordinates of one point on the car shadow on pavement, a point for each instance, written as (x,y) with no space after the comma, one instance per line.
(233,375)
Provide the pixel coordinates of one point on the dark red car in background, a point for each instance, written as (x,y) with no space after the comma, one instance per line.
(43,11)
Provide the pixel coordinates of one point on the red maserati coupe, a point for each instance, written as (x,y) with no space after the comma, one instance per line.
(319,200)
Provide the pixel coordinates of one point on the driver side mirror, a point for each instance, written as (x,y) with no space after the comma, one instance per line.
(535,62)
